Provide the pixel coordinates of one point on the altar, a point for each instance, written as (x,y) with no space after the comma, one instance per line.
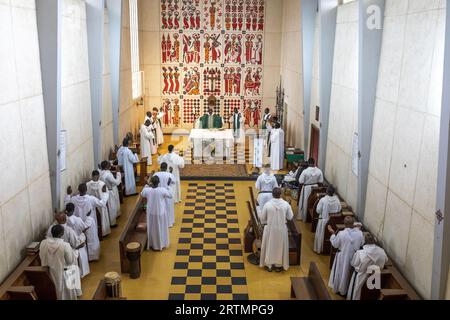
(211,145)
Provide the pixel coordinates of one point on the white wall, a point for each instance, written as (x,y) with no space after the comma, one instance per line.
(403,166)
(292,71)
(315,83)
(76,113)
(25,196)
(107,127)
(343,122)
(128,112)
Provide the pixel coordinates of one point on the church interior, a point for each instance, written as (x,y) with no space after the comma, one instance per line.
(177,134)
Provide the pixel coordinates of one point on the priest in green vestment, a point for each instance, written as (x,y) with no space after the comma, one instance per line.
(211,120)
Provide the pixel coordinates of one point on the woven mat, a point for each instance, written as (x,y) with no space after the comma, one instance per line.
(214,171)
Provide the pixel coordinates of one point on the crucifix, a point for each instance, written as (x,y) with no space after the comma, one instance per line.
(212,79)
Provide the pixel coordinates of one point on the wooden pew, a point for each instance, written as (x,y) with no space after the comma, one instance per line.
(312,211)
(254,231)
(393,287)
(132,233)
(312,199)
(29,281)
(336,222)
(102,293)
(311,287)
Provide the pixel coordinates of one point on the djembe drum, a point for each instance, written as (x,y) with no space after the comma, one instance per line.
(113,286)
(134,256)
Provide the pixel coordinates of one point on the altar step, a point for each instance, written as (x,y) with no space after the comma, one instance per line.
(239,155)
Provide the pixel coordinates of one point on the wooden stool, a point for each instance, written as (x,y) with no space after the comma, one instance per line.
(134,256)
(112,283)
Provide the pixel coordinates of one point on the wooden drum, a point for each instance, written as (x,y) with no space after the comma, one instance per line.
(134,256)
(113,286)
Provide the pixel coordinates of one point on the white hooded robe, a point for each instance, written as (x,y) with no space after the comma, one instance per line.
(58,256)
(277,149)
(326,206)
(114,199)
(347,242)
(309,178)
(157,220)
(369,256)
(175,162)
(164,178)
(265,184)
(275,242)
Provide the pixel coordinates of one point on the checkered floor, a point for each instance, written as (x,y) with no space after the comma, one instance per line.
(209,263)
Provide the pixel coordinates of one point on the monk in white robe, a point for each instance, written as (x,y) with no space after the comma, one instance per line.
(59,256)
(329,204)
(347,242)
(70,236)
(167,180)
(275,242)
(112,185)
(277,148)
(265,184)
(237,121)
(128,160)
(146,142)
(309,179)
(363,262)
(157,116)
(175,162)
(97,188)
(80,228)
(157,220)
(85,208)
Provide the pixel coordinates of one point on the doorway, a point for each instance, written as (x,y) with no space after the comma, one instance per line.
(314,144)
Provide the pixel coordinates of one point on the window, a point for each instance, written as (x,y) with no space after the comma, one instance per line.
(137,75)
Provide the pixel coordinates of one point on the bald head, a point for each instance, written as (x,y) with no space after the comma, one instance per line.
(61,218)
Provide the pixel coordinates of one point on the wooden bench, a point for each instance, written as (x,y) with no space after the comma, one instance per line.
(312,211)
(312,199)
(29,281)
(311,287)
(102,293)
(393,287)
(254,231)
(132,233)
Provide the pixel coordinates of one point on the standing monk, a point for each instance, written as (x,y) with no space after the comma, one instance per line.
(275,242)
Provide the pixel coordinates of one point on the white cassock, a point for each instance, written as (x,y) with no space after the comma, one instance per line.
(114,199)
(92,241)
(275,241)
(119,156)
(164,179)
(129,159)
(159,132)
(347,242)
(157,220)
(239,134)
(58,256)
(85,208)
(277,149)
(309,178)
(369,256)
(175,162)
(146,144)
(326,206)
(94,188)
(78,225)
(265,184)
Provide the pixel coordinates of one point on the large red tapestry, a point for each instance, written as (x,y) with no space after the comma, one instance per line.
(211,47)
